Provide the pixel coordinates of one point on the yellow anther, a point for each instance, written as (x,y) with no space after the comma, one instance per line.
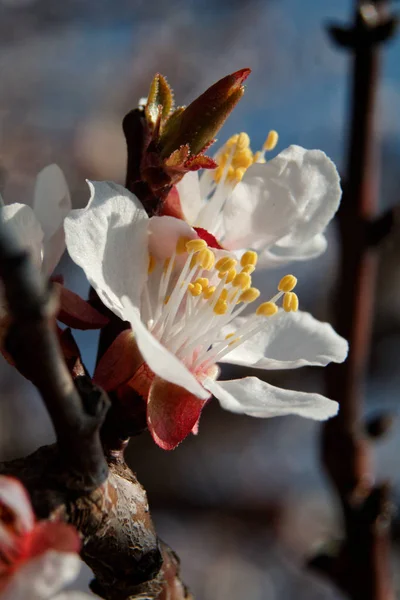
(195,245)
(236,154)
(287,283)
(239,172)
(206,258)
(267,309)
(181,245)
(203,281)
(167,299)
(242,281)
(229,276)
(249,295)
(152,264)
(249,269)
(229,335)
(195,289)
(225,264)
(234,341)
(242,141)
(166,264)
(208,292)
(271,141)
(221,307)
(223,295)
(290,302)
(249,258)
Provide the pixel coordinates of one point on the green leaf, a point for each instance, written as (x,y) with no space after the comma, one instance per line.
(160,94)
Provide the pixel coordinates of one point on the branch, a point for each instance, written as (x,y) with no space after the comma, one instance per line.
(77,411)
(361,567)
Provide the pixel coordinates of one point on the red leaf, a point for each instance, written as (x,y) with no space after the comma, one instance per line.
(76,312)
(194,163)
(207,237)
(172,413)
(172,205)
(119,363)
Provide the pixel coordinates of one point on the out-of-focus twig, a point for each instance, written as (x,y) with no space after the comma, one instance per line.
(33,344)
(362,566)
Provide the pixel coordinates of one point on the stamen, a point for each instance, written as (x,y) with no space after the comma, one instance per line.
(249,258)
(208,292)
(242,281)
(229,276)
(249,295)
(248,269)
(287,283)
(181,245)
(195,245)
(267,309)
(225,264)
(221,307)
(290,302)
(152,264)
(271,141)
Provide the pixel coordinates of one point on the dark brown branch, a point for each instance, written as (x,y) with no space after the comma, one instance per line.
(362,565)
(77,411)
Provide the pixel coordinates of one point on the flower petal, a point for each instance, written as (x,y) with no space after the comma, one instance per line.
(256,398)
(259,211)
(164,232)
(189,194)
(108,239)
(15,503)
(172,413)
(314,182)
(53,535)
(288,341)
(278,256)
(289,199)
(160,360)
(42,577)
(26,228)
(51,204)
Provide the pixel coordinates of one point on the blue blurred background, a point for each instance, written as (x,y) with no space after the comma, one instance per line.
(245,503)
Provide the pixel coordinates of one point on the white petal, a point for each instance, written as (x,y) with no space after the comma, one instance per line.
(164,232)
(42,577)
(26,228)
(259,211)
(160,360)
(288,341)
(189,195)
(51,204)
(51,200)
(109,240)
(277,255)
(256,398)
(313,181)
(14,496)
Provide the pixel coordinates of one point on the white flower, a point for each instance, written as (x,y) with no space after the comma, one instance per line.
(40,229)
(182,299)
(279,208)
(37,558)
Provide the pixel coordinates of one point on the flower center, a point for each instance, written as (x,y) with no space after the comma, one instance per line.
(234,158)
(190,297)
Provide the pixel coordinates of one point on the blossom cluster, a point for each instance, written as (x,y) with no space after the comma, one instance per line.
(179,277)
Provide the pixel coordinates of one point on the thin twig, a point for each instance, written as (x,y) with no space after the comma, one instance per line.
(33,344)
(362,566)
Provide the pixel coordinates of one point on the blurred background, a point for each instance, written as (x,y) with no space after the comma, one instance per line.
(245,503)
